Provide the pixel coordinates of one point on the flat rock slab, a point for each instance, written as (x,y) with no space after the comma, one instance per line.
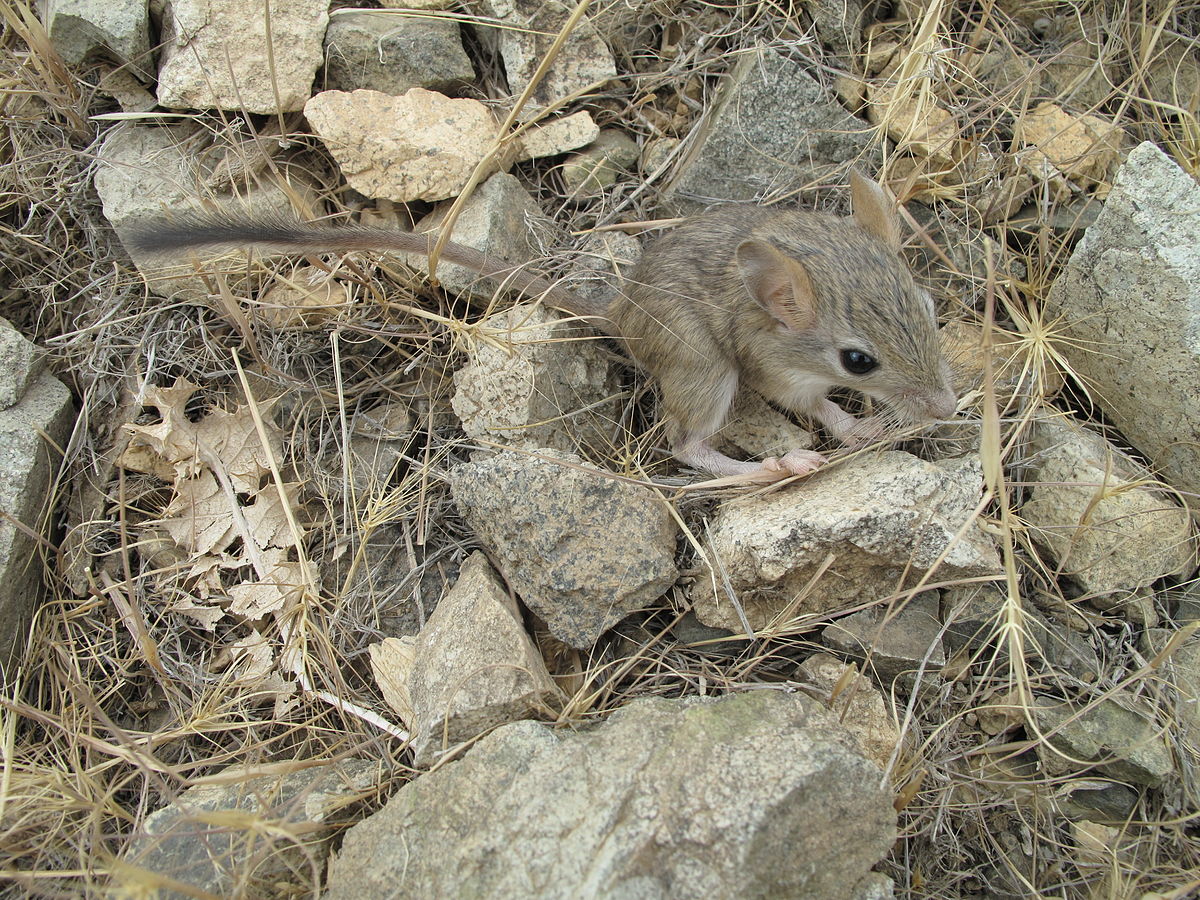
(1130,306)
(753,795)
(582,549)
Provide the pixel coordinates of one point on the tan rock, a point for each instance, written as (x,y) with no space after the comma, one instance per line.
(418,146)
(1059,145)
(553,136)
(918,126)
(856,703)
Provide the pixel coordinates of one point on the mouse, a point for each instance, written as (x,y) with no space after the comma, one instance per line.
(788,302)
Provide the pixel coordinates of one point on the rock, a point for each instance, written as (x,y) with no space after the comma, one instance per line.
(598,270)
(756,430)
(1132,289)
(881,516)
(772,130)
(305,298)
(903,643)
(1090,507)
(245,836)
(917,125)
(1015,369)
(23,364)
(378,443)
(581,549)
(1173,74)
(217,54)
(1079,76)
(1116,739)
(380,51)
(35,418)
(83,29)
(538,381)
(526,30)
(599,164)
(418,146)
(856,704)
(551,137)
(658,153)
(1064,150)
(417,4)
(1186,603)
(978,623)
(1097,801)
(690,798)
(501,219)
(839,24)
(144,171)
(472,667)
(1181,674)
(1135,606)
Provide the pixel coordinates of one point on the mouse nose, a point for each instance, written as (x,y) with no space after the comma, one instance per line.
(943,405)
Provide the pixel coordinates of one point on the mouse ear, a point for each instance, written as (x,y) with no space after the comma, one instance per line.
(874,209)
(778,283)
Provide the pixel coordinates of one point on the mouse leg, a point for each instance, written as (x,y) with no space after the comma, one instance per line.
(850,430)
(699,418)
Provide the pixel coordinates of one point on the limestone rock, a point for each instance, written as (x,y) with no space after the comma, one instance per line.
(539,381)
(551,137)
(856,703)
(528,28)
(903,643)
(581,549)
(81,29)
(879,515)
(472,667)
(772,130)
(144,173)
(754,795)
(1089,507)
(1181,670)
(918,125)
(1130,306)
(247,836)
(418,146)
(1063,149)
(1114,738)
(500,219)
(380,51)
(216,53)
(35,406)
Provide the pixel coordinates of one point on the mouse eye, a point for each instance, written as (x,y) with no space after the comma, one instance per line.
(858,363)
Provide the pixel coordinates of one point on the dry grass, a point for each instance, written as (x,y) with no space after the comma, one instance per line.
(121,701)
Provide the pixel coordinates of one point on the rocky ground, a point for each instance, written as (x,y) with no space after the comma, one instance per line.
(322,577)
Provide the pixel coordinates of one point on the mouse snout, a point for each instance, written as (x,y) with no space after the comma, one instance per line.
(942,404)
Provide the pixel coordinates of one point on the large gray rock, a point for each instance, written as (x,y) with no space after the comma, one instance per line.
(894,643)
(244,836)
(36,416)
(1091,508)
(380,51)
(80,29)
(754,795)
(581,548)
(471,668)
(883,517)
(1130,306)
(772,130)
(219,54)
(536,380)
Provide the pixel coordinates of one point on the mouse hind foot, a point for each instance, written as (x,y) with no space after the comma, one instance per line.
(700,455)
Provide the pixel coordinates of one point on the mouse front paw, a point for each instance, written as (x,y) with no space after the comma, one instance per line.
(859,432)
(795,462)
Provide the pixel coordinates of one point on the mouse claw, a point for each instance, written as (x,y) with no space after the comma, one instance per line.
(794,462)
